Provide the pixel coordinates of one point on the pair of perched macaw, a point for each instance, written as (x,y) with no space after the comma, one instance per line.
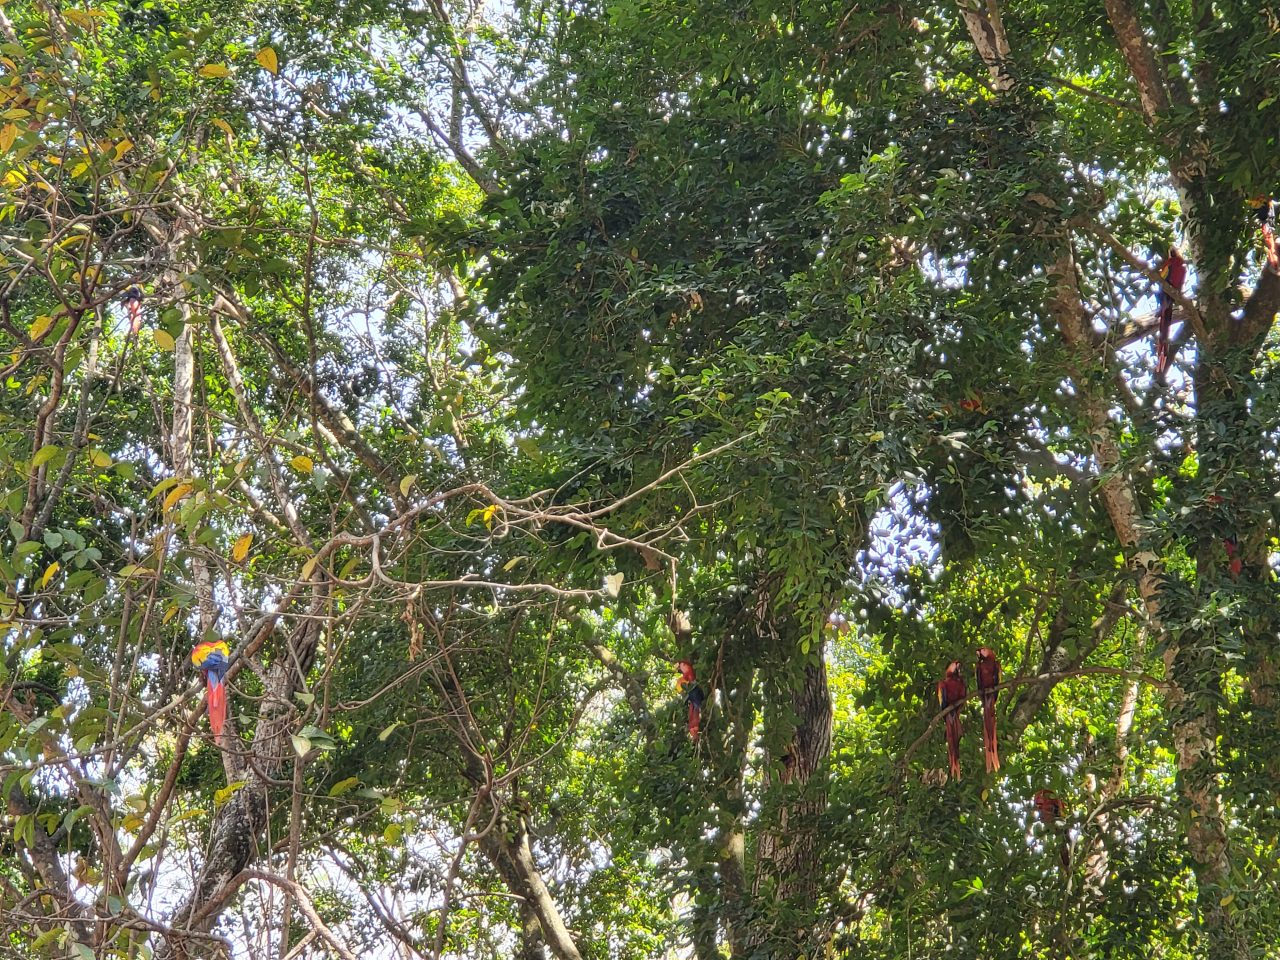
(212,658)
(952,692)
(695,698)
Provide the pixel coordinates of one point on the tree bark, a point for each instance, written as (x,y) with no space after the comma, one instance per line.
(506,845)
(788,858)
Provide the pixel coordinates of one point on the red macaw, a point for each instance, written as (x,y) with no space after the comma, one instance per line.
(1049,806)
(212,657)
(1051,809)
(988,670)
(951,693)
(1235,563)
(695,697)
(133,302)
(1173,272)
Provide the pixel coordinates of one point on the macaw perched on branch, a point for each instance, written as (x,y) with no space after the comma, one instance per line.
(212,657)
(1265,212)
(988,670)
(952,691)
(695,697)
(1173,272)
(1049,806)
(133,302)
(1235,563)
(1051,809)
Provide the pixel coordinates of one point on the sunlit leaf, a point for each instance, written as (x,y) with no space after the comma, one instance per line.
(266,57)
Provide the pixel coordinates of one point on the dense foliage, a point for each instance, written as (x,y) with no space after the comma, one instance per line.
(466,368)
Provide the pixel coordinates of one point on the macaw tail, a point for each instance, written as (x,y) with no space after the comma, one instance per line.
(696,699)
(1163,359)
(217,704)
(989,747)
(953,743)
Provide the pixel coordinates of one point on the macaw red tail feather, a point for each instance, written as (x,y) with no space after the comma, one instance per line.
(953,743)
(695,719)
(1163,359)
(217,705)
(989,746)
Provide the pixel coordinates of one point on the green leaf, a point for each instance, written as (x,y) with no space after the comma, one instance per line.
(45,454)
(344,786)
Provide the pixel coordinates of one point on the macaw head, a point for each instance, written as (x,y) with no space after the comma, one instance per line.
(687,676)
(955,671)
(210,654)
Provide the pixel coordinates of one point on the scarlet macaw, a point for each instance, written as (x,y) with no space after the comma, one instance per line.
(1051,809)
(951,693)
(1173,272)
(1235,563)
(988,671)
(212,657)
(133,301)
(1049,806)
(695,697)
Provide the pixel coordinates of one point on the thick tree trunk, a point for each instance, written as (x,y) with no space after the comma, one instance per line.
(788,862)
(238,825)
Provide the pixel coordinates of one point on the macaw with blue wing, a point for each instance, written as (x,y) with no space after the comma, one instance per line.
(695,697)
(133,302)
(212,658)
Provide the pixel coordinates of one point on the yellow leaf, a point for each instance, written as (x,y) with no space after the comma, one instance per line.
(164,340)
(407,484)
(487,514)
(223,126)
(8,134)
(214,70)
(123,147)
(133,823)
(100,458)
(40,327)
(267,58)
(170,613)
(176,494)
(50,573)
(308,568)
(302,463)
(226,793)
(241,548)
(613,583)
